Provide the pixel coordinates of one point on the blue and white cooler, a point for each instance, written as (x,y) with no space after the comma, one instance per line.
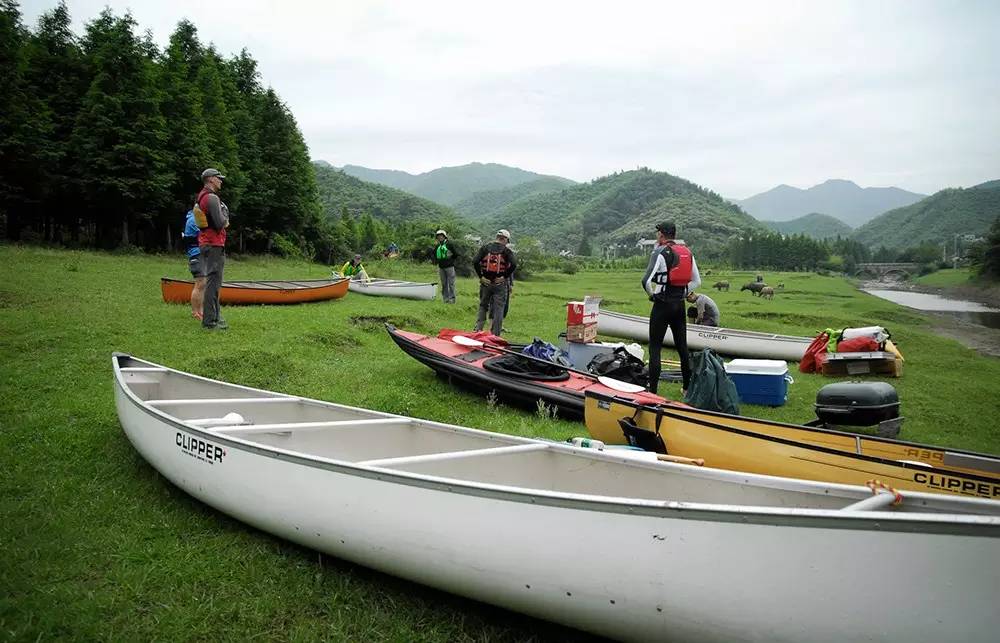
(760,381)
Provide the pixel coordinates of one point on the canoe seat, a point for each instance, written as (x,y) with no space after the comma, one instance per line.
(229,419)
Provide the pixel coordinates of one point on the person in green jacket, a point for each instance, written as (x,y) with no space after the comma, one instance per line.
(444,257)
(354,269)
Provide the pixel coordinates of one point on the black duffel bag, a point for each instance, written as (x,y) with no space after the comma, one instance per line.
(620,365)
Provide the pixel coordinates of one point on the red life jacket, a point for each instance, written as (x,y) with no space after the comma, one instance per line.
(679,266)
(207,236)
(494,263)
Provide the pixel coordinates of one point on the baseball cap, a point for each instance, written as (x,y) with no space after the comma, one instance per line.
(211,172)
(357,256)
(503,233)
(667,227)
(441,232)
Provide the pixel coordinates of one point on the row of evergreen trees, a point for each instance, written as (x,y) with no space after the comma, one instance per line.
(103,138)
(772,250)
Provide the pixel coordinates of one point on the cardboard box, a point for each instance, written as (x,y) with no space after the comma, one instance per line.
(582,312)
(581,332)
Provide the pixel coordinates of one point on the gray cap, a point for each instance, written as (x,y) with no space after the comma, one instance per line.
(503,233)
(211,172)
(442,233)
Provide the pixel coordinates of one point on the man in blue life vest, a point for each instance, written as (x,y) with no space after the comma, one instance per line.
(671,274)
(444,257)
(494,264)
(190,240)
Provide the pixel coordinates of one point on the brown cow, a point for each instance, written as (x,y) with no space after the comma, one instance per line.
(721,285)
(767,292)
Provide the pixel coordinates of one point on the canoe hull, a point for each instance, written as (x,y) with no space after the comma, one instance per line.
(725,341)
(401,290)
(667,578)
(771,448)
(178,291)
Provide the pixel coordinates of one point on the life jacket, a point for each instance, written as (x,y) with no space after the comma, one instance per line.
(494,263)
(442,251)
(679,263)
(349,269)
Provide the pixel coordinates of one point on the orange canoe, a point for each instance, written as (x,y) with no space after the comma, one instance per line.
(178,291)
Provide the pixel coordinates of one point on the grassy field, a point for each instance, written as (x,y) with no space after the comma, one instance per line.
(98,546)
(945,278)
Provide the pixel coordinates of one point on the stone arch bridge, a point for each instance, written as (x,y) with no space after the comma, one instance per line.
(880,270)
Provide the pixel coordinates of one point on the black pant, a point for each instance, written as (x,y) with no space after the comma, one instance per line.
(670,313)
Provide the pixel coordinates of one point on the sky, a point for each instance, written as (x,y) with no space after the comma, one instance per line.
(736,96)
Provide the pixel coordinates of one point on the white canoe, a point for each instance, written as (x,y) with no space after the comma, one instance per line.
(393,288)
(630,549)
(725,341)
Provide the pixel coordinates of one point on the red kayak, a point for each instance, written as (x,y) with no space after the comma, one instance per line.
(514,378)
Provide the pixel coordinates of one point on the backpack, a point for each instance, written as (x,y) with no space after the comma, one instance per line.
(679,263)
(494,263)
(200,216)
(710,388)
(620,365)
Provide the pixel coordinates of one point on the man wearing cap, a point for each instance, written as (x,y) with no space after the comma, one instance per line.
(494,264)
(210,209)
(444,256)
(671,274)
(354,269)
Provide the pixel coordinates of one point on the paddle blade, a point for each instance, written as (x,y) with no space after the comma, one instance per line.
(462,340)
(618,385)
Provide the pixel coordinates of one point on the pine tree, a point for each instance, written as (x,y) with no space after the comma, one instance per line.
(119,129)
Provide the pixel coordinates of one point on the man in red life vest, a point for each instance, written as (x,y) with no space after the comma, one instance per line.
(671,273)
(495,265)
(212,217)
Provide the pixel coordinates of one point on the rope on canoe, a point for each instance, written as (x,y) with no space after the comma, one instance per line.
(875,484)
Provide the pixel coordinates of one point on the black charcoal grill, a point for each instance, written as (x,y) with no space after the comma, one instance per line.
(868,404)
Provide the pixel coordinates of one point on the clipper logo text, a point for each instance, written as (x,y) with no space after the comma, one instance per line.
(198,448)
(955,485)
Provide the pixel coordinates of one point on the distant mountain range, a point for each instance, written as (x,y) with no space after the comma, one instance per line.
(815,225)
(844,200)
(450,185)
(622,208)
(936,218)
(482,205)
(338,190)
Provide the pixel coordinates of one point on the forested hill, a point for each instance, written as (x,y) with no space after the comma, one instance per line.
(845,200)
(622,208)
(938,217)
(815,225)
(449,185)
(482,205)
(338,190)
(103,138)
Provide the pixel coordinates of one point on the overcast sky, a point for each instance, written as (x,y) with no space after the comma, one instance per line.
(736,96)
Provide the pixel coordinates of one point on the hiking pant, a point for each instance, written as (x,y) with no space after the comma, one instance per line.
(492,299)
(447,276)
(668,314)
(213,259)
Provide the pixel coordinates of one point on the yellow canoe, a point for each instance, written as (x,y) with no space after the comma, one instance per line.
(774,448)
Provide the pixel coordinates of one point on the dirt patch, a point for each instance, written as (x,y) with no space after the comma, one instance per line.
(7,299)
(979,338)
(376,323)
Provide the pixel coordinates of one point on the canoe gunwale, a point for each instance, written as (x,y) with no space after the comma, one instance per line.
(733,332)
(810,447)
(803,427)
(269,286)
(924,523)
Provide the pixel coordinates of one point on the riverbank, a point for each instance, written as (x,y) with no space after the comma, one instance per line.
(957,284)
(981,339)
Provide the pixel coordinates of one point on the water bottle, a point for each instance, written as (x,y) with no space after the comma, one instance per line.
(587,443)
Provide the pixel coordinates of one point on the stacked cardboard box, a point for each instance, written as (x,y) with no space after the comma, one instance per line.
(581,319)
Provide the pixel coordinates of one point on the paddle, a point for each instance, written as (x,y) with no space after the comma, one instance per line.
(610,382)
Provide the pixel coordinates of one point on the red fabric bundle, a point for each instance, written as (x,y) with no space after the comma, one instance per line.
(857,345)
(815,354)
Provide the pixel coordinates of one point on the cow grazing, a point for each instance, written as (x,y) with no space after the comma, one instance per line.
(721,285)
(767,292)
(754,287)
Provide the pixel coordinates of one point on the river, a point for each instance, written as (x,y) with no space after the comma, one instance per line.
(974,324)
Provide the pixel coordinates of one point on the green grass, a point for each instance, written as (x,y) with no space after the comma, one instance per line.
(945,278)
(98,546)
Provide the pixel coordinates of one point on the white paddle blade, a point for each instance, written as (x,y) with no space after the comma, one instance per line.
(462,340)
(618,385)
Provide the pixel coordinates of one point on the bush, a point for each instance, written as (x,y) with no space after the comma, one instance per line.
(568,267)
(286,248)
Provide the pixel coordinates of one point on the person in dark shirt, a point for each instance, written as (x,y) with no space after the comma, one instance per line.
(444,257)
(494,264)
